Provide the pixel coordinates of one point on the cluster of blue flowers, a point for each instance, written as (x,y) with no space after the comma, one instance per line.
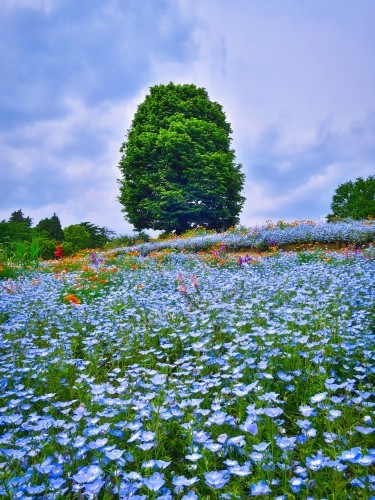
(251,381)
(349,232)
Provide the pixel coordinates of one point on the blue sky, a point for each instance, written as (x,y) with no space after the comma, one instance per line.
(295,78)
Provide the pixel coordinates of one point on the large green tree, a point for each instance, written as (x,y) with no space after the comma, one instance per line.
(178,169)
(354,199)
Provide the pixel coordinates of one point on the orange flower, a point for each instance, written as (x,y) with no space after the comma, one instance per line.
(140,286)
(134,267)
(72,299)
(103,281)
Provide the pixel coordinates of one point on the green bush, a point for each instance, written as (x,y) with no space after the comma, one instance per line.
(7,272)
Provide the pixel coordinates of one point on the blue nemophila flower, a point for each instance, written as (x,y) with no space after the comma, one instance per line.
(214,447)
(190,496)
(35,490)
(88,474)
(330,437)
(333,414)
(159,379)
(242,471)
(99,443)
(250,426)
(200,436)
(286,443)
(217,479)
(303,424)
(146,446)
(259,489)
(193,457)
(261,446)
(319,397)
(180,482)
(236,441)
(272,412)
(366,460)
(296,484)
(307,411)
(351,455)
(256,456)
(94,487)
(364,430)
(114,454)
(155,482)
(316,462)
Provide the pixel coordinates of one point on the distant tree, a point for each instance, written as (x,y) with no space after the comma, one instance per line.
(178,170)
(98,235)
(51,227)
(17,228)
(354,199)
(19,217)
(77,236)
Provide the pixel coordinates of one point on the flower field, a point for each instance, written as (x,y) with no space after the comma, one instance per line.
(177,370)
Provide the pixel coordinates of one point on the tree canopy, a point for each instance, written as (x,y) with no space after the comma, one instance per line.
(19,217)
(51,226)
(178,170)
(354,199)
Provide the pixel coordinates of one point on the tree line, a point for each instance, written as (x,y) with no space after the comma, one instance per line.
(48,231)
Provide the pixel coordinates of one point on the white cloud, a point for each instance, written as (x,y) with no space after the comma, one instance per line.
(47,6)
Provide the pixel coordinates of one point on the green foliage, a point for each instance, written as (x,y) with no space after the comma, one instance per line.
(99,236)
(13,231)
(7,272)
(78,236)
(354,199)
(19,217)
(128,240)
(48,248)
(51,227)
(178,169)
(25,253)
